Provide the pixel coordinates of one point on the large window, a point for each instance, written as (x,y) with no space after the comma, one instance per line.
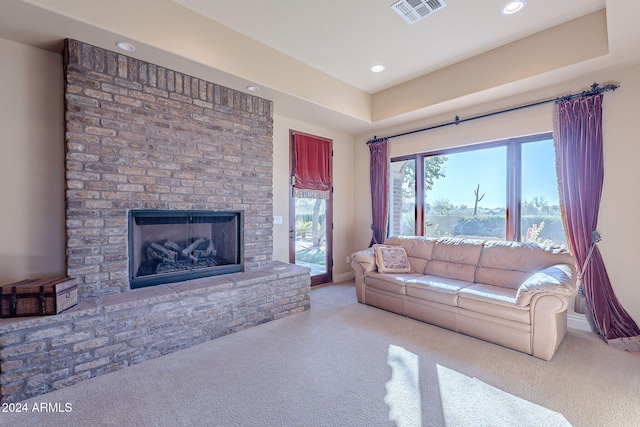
(402,198)
(500,190)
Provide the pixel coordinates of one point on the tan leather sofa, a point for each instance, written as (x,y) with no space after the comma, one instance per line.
(510,293)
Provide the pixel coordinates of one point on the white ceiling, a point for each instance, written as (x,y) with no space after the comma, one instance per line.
(313,57)
(344,38)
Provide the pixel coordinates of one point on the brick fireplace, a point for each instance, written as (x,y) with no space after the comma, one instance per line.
(143,137)
(168,246)
(140,136)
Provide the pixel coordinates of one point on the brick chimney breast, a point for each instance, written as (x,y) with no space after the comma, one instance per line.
(140,136)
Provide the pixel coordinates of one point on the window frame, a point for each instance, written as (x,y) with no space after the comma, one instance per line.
(513,220)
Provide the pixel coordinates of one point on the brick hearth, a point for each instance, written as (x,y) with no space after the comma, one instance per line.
(105,334)
(139,136)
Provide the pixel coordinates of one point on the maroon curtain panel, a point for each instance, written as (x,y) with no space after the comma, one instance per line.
(311,167)
(580,168)
(379,176)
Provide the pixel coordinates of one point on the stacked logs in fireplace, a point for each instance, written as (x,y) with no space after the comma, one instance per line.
(166,246)
(169,256)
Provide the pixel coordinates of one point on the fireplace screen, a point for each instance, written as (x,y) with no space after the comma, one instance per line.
(170,246)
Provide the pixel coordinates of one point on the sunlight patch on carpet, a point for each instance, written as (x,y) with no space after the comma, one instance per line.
(403,389)
(468,401)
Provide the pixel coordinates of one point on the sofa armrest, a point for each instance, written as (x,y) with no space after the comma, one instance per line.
(556,280)
(548,323)
(361,263)
(366,259)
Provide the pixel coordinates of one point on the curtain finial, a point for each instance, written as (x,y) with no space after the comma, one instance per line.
(375,140)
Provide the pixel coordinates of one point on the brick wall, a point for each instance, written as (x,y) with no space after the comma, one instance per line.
(108,333)
(140,136)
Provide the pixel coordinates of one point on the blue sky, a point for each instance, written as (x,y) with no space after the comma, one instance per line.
(464,171)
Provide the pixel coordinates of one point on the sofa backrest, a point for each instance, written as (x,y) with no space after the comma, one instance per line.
(495,262)
(455,258)
(508,264)
(419,249)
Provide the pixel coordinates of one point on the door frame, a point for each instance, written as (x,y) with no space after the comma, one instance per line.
(328,276)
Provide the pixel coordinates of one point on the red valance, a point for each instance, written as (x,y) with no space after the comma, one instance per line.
(311,167)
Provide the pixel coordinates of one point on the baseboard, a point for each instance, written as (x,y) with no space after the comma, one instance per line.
(578,321)
(343,277)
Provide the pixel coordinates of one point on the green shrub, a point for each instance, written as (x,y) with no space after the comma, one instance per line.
(481,226)
(552,229)
(308,217)
(494,226)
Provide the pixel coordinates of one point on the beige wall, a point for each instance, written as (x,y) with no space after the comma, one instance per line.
(31,163)
(342,196)
(32,173)
(620,206)
(621,127)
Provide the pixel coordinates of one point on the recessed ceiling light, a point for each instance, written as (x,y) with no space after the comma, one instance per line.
(377,68)
(126,46)
(253,88)
(513,7)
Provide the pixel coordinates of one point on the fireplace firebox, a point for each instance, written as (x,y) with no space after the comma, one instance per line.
(168,246)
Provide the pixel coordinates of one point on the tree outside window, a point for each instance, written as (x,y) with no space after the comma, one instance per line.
(500,190)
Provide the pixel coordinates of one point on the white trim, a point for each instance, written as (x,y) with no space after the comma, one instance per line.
(578,321)
(343,277)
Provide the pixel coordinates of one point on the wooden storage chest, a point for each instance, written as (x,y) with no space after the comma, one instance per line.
(37,297)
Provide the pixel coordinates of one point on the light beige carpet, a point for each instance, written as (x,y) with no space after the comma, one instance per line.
(347,364)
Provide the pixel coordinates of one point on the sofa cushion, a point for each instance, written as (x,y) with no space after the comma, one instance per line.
(392,259)
(494,301)
(455,259)
(436,289)
(509,264)
(418,249)
(394,283)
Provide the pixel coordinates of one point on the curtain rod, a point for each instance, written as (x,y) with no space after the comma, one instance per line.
(595,90)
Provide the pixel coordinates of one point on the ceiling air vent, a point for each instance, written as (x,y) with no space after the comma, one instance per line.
(414,10)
